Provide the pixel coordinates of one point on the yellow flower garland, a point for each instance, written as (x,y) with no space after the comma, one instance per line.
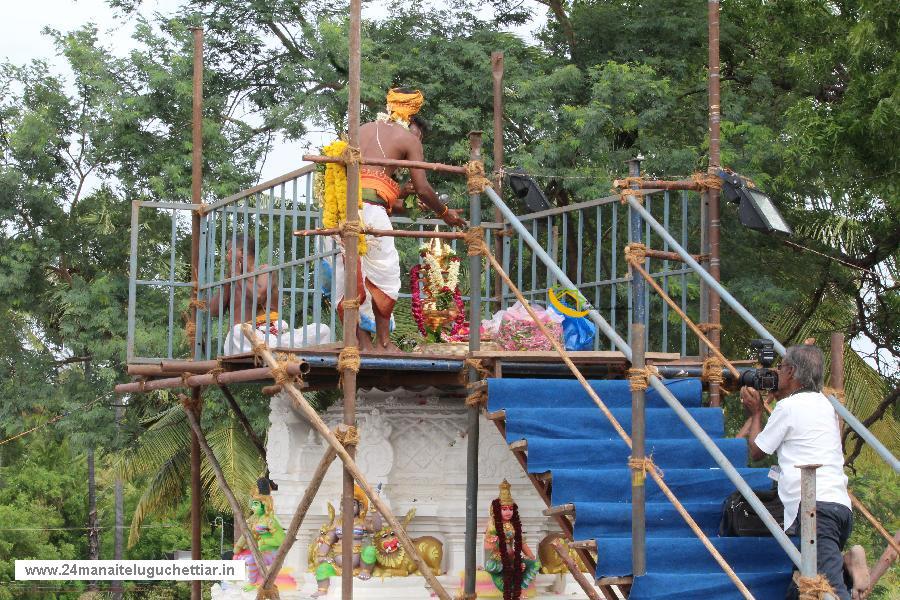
(334,209)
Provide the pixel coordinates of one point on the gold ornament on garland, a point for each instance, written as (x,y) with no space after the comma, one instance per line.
(334,205)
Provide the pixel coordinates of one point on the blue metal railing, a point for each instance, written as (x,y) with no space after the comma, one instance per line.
(586,238)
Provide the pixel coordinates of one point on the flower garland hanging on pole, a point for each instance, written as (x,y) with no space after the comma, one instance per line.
(334,205)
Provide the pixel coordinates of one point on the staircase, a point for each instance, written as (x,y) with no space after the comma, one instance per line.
(567,446)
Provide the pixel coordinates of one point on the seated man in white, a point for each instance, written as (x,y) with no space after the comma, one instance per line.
(256,300)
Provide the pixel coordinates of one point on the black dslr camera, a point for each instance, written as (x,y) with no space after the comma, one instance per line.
(764,378)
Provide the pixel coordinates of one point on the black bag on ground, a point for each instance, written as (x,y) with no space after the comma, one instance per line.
(740,520)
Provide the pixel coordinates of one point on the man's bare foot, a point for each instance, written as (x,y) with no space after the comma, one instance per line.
(365,341)
(855,563)
(389,347)
(319,593)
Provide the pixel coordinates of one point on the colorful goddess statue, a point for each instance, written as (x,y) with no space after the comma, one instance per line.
(328,558)
(268,534)
(507,558)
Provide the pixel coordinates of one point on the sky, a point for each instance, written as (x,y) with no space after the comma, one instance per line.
(21,41)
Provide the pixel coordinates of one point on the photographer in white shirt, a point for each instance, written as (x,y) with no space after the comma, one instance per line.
(803,429)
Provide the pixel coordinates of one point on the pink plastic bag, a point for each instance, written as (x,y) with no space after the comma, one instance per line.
(518,331)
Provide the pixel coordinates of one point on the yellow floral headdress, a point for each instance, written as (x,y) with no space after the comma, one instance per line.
(403,105)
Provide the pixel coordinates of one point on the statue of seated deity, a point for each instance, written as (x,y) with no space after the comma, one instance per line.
(268,534)
(507,558)
(328,559)
(392,559)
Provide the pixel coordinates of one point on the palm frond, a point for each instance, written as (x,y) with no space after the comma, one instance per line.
(166,437)
(864,387)
(163,492)
(240,463)
(837,231)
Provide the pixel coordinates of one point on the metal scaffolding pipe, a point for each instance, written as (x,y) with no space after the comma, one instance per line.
(658,385)
(758,327)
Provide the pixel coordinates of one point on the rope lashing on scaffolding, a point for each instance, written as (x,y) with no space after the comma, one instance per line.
(477,393)
(639,468)
(190,331)
(478,365)
(706,181)
(707,327)
(348,359)
(280,374)
(347,435)
(350,228)
(350,303)
(216,372)
(636,253)
(476,182)
(267,594)
(257,347)
(184,378)
(639,379)
(839,394)
(351,155)
(465,596)
(814,588)
(474,240)
(203,209)
(712,370)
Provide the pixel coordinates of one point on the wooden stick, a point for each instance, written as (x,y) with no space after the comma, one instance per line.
(712,347)
(245,422)
(858,505)
(888,557)
(229,495)
(390,162)
(717,556)
(207,379)
(401,233)
(562,550)
(652,184)
(291,535)
(310,414)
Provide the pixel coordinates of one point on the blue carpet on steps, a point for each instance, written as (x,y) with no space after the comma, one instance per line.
(569,436)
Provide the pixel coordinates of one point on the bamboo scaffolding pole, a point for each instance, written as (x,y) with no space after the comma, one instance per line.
(881,566)
(445,235)
(562,550)
(187,366)
(858,505)
(196,198)
(245,422)
(299,514)
(656,184)
(652,470)
(226,489)
(390,162)
(309,413)
(196,381)
(691,325)
(351,301)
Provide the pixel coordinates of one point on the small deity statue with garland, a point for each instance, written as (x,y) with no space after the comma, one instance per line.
(328,546)
(268,534)
(507,558)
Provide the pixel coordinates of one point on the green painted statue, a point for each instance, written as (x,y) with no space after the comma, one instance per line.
(507,558)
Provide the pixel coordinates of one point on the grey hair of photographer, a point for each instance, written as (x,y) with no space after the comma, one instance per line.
(808,365)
